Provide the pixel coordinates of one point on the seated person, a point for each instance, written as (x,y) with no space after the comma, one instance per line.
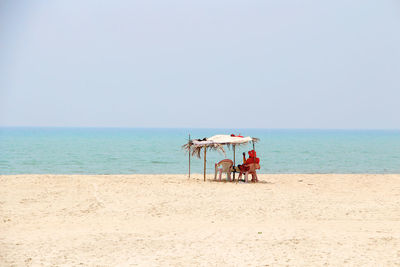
(252,157)
(250,165)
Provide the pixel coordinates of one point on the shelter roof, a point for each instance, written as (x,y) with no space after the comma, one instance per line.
(216,142)
(223,139)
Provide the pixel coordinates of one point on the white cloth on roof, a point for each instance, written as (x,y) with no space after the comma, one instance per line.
(222,139)
(227,139)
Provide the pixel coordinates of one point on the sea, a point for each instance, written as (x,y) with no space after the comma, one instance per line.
(26,150)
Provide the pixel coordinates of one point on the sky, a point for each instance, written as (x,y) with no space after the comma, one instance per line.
(204,64)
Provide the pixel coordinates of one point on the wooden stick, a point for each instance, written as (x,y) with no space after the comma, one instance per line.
(205,161)
(234,161)
(189,155)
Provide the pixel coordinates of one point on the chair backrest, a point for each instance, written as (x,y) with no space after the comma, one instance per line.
(253,167)
(226,165)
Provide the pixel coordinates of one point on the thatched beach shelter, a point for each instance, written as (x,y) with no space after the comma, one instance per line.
(216,142)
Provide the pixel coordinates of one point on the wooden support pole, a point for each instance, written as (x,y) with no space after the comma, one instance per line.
(205,162)
(234,161)
(234,155)
(189,155)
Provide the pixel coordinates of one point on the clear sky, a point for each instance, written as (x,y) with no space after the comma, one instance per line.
(209,63)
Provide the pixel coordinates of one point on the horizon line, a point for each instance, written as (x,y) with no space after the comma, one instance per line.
(200,128)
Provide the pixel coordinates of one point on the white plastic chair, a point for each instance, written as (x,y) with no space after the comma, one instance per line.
(225,166)
(253,167)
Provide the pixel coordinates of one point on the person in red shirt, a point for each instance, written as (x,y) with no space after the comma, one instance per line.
(252,157)
(246,167)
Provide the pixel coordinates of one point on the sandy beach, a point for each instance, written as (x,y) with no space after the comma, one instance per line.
(159,220)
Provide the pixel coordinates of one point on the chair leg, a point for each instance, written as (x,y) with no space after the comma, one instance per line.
(220,174)
(228,175)
(246,175)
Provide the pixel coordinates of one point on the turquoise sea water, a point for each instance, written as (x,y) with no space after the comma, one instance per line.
(124,150)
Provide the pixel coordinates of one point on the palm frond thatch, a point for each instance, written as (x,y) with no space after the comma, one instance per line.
(195,150)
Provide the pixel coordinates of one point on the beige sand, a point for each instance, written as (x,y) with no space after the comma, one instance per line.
(152,220)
